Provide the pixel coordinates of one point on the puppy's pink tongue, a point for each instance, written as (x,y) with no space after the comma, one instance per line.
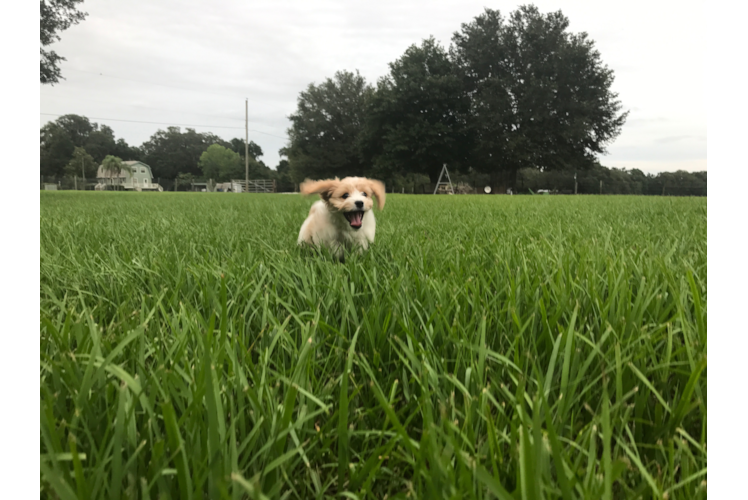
(356,219)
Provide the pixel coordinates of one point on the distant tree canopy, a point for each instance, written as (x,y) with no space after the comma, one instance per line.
(171,151)
(60,138)
(509,94)
(257,168)
(221,164)
(70,139)
(238,146)
(81,165)
(55,16)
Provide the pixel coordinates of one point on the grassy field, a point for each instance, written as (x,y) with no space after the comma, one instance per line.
(522,347)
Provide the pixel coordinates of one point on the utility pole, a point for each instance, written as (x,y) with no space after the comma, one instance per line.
(575,183)
(246,144)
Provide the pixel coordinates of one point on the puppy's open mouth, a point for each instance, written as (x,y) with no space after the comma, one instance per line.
(355,218)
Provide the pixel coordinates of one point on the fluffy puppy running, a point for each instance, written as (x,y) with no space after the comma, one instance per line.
(343,218)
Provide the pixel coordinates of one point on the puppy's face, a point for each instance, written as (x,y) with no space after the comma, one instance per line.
(351,197)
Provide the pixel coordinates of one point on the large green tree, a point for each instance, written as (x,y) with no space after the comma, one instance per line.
(326,128)
(221,164)
(540,96)
(171,151)
(55,16)
(415,122)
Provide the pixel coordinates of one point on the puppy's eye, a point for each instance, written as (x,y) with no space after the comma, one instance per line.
(363,194)
(345,196)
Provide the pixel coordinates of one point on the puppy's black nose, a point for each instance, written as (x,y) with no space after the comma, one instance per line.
(359,204)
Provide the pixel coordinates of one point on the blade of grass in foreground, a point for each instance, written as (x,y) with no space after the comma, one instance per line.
(177,447)
(607,460)
(60,486)
(119,430)
(343,413)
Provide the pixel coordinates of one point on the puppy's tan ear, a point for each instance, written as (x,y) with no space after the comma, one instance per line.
(377,188)
(324,188)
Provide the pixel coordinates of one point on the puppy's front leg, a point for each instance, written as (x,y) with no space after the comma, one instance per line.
(362,246)
(338,250)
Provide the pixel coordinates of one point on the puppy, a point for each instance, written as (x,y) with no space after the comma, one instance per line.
(343,218)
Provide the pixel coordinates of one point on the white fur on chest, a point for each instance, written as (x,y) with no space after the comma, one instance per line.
(331,229)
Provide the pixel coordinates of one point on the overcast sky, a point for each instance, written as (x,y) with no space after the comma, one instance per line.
(189,63)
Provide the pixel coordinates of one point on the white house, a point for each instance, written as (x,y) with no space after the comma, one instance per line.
(137,178)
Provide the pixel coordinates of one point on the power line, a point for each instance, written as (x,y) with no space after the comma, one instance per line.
(161,85)
(167,86)
(190,112)
(151,83)
(151,108)
(167,123)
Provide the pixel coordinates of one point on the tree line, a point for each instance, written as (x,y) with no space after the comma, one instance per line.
(509,93)
(596,180)
(72,145)
(602,180)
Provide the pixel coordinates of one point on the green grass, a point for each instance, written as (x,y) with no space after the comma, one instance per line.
(529,347)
